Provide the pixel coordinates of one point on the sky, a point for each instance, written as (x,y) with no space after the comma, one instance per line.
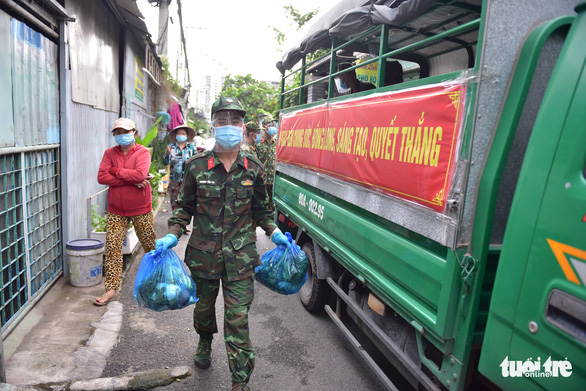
(232,36)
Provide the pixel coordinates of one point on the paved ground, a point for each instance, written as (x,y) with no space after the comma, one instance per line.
(65,337)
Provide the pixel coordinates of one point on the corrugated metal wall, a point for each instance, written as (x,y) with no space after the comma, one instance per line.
(88,136)
(91,108)
(136,87)
(35,87)
(7,124)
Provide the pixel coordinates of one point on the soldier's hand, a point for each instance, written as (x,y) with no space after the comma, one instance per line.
(164,244)
(279,239)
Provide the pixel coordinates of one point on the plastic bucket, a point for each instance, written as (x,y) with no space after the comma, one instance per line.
(85,259)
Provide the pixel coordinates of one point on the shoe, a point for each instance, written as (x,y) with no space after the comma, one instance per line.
(203,353)
(240,387)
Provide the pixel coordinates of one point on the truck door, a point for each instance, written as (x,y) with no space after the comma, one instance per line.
(536,335)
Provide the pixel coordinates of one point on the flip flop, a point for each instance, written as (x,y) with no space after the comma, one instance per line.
(100,303)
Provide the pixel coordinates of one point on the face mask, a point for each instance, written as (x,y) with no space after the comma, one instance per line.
(257,139)
(341,86)
(229,136)
(124,140)
(181,139)
(272,131)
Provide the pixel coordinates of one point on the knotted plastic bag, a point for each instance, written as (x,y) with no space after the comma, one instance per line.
(282,270)
(163,283)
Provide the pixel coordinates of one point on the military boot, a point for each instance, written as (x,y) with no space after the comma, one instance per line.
(203,353)
(240,387)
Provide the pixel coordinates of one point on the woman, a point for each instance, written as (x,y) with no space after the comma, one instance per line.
(125,168)
(176,155)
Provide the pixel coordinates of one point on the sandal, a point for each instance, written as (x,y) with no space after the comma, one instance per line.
(102,303)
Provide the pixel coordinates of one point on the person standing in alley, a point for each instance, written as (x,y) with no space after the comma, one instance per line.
(253,137)
(267,150)
(224,192)
(125,169)
(199,141)
(176,156)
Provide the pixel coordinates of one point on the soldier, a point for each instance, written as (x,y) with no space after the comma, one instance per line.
(224,191)
(266,151)
(253,137)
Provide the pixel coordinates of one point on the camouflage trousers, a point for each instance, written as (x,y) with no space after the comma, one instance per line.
(238,296)
(269,187)
(174,190)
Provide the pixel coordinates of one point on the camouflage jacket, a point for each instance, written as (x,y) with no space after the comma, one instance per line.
(266,151)
(223,205)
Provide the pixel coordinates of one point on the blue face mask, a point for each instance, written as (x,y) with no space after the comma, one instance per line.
(257,139)
(124,140)
(181,139)
(229,136)
(272,131)
(341,86)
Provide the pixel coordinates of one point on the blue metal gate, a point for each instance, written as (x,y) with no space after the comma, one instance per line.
(30,227)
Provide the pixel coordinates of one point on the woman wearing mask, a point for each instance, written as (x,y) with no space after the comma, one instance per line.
(176,155)
(125,169)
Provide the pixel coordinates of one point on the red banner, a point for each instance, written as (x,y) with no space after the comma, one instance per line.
(401,143)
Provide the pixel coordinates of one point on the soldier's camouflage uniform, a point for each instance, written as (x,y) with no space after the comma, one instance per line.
(222,246)
(267,153)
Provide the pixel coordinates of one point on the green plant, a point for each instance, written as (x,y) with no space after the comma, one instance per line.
(155,185)
(150,134)
(99,222)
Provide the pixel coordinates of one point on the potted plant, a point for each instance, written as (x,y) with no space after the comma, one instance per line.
(99,224)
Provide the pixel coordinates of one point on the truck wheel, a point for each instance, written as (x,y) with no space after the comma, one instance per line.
(314,293)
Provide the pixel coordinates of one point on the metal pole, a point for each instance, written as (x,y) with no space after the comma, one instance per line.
(2,366)
(30,18)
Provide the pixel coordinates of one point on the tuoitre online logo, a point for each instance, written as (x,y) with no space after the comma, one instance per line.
(529,368)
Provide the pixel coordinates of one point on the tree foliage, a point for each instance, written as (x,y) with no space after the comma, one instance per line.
(257,97)
(173,85)
(296,19)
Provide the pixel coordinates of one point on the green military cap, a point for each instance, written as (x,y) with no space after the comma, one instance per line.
(225,103)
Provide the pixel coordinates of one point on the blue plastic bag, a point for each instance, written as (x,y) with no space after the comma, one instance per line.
(163,283)
(282,270)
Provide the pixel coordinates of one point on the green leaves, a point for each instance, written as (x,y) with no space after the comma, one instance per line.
(99,223)
(256,96)
(150,134)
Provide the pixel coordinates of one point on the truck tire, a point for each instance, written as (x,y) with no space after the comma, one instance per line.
(314,293)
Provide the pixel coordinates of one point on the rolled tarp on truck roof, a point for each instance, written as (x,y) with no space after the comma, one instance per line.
(347,18)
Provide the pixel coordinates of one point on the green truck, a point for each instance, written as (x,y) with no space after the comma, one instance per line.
(431,163)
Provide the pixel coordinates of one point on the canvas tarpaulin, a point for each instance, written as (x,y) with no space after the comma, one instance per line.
(348,18)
